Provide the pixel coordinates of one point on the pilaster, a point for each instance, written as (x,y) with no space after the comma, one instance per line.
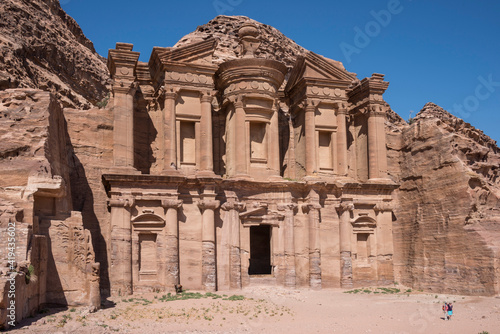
(170,161)
(172,205)
(313,210)
(344,211)
(289,236)
(206,138)
(310,135)
(208,205)
(120,270)
(385,248)
(233,220)
(341,139)
(122,62)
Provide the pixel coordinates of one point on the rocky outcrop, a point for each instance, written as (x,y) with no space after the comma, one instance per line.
(43,47)
(36,203)
(447,228)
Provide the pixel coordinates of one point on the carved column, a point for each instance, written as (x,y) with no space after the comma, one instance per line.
(209,274)
(169,131)
(381,143)
(310,135)
(206,156)
(290,276)
(172,240)
(121,63)
(385,248)
(344,210)
(241,162)
(123,125)
(120,270)
(377,155)
(233,220)
(341,139)
(274,143)
(312,210)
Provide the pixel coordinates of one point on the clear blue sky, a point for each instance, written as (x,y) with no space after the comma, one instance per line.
(446,52)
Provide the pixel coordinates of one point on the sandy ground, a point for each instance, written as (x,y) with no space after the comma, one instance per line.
(277,310)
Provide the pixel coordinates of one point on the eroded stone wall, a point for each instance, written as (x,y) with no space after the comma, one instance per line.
(448,214)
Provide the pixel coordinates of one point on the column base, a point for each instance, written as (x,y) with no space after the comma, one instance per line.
(244,177)
(124,170)
(275,178)
(171,172)
(380,180)
(206,174)
(311,178)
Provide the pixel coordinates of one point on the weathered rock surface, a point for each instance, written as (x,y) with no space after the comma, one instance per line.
(274,45)
(35,200)
(447,232)
(43,47)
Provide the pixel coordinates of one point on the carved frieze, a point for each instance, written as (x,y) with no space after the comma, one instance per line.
(189,78)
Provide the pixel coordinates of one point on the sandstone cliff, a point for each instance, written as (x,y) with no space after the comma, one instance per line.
(43,47)
(447,232)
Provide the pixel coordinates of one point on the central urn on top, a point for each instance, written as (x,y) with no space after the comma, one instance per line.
(249,91)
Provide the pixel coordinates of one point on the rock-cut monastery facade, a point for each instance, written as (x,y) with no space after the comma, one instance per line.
(232,178)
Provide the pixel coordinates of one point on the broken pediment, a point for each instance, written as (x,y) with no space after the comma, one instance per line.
(319,69)
(199,53)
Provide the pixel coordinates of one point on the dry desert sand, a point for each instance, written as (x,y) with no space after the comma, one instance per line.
(277,310)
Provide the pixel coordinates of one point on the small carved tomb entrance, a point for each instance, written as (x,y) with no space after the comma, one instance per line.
(260,250)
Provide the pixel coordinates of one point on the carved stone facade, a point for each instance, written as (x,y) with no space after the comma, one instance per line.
(245,177)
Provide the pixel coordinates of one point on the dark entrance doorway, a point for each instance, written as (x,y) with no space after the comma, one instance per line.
(260,250)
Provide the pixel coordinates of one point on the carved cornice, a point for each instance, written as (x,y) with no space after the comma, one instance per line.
(171,203)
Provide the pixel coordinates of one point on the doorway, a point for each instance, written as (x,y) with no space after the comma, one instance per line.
(260,250)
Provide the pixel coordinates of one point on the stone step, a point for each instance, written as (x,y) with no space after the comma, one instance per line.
(262,280)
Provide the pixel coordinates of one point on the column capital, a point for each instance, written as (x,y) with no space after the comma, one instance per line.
(310,105)
(238,206)
(383,206)
(377,110)
(207,96)
(306,207)
(171,203)
(125,86)
(208,204)
(341,107)
(124,202)
(287,206)
(344,207)
(168,92)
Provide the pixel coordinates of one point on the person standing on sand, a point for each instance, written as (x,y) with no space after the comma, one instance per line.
(450,311)
(445,310)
